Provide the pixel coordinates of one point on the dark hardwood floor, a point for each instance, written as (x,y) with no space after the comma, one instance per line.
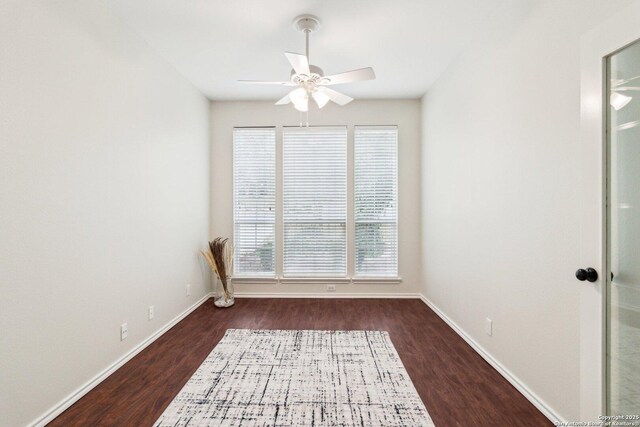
(456,385)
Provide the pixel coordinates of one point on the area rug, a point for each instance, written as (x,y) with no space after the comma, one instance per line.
(299,378)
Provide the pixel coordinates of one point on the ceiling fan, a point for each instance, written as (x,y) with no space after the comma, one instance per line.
(310,79)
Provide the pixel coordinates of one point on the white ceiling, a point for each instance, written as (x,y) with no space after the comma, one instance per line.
(213,43)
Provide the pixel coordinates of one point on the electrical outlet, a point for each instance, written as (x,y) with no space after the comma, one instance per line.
(331,288)
(124,332)
(151,312)
(488,326)
(188,289)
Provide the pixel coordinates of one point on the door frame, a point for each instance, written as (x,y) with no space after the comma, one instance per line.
(597,45)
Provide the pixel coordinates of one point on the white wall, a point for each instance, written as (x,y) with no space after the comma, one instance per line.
(104,179)
(404,113)
(500,189)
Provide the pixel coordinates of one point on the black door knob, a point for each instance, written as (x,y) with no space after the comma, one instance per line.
(589,275)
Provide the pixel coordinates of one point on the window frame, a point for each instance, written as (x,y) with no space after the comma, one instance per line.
(350,278)
(309,277)
(254,275)
(355,274)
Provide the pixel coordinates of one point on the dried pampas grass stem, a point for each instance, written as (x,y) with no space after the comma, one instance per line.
(220,260)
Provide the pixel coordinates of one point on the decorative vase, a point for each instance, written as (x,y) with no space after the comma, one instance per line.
(224,293)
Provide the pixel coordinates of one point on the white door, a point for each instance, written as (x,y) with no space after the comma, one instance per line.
(608,170)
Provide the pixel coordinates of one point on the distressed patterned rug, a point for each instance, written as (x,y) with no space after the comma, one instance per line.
(299,378)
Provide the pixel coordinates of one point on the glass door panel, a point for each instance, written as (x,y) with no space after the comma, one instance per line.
(623,232)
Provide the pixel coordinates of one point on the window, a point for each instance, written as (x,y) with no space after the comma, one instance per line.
(254,206)
(315,202)
(311,210)
(376,201)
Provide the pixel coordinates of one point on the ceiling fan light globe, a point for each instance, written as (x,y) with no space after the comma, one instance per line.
(321,98)
(302,106)
(298,96)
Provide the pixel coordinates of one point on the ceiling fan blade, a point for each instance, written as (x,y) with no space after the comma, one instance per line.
(335,96)
(299,62)
(350,76)
(284,100)
(265,82)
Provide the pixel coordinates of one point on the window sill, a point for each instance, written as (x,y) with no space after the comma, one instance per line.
(376,280)
(255,280)
(316,280)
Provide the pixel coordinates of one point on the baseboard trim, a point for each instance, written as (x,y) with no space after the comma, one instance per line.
(324,295)
(89,385)
(540,404)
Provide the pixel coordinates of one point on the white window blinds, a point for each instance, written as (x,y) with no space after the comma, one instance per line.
(315,201)
(254,204)
(376,201)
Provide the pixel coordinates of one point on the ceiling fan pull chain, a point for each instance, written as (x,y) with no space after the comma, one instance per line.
(307,118)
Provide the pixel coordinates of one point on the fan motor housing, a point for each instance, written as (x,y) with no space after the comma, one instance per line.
(316,76)
(314,70)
